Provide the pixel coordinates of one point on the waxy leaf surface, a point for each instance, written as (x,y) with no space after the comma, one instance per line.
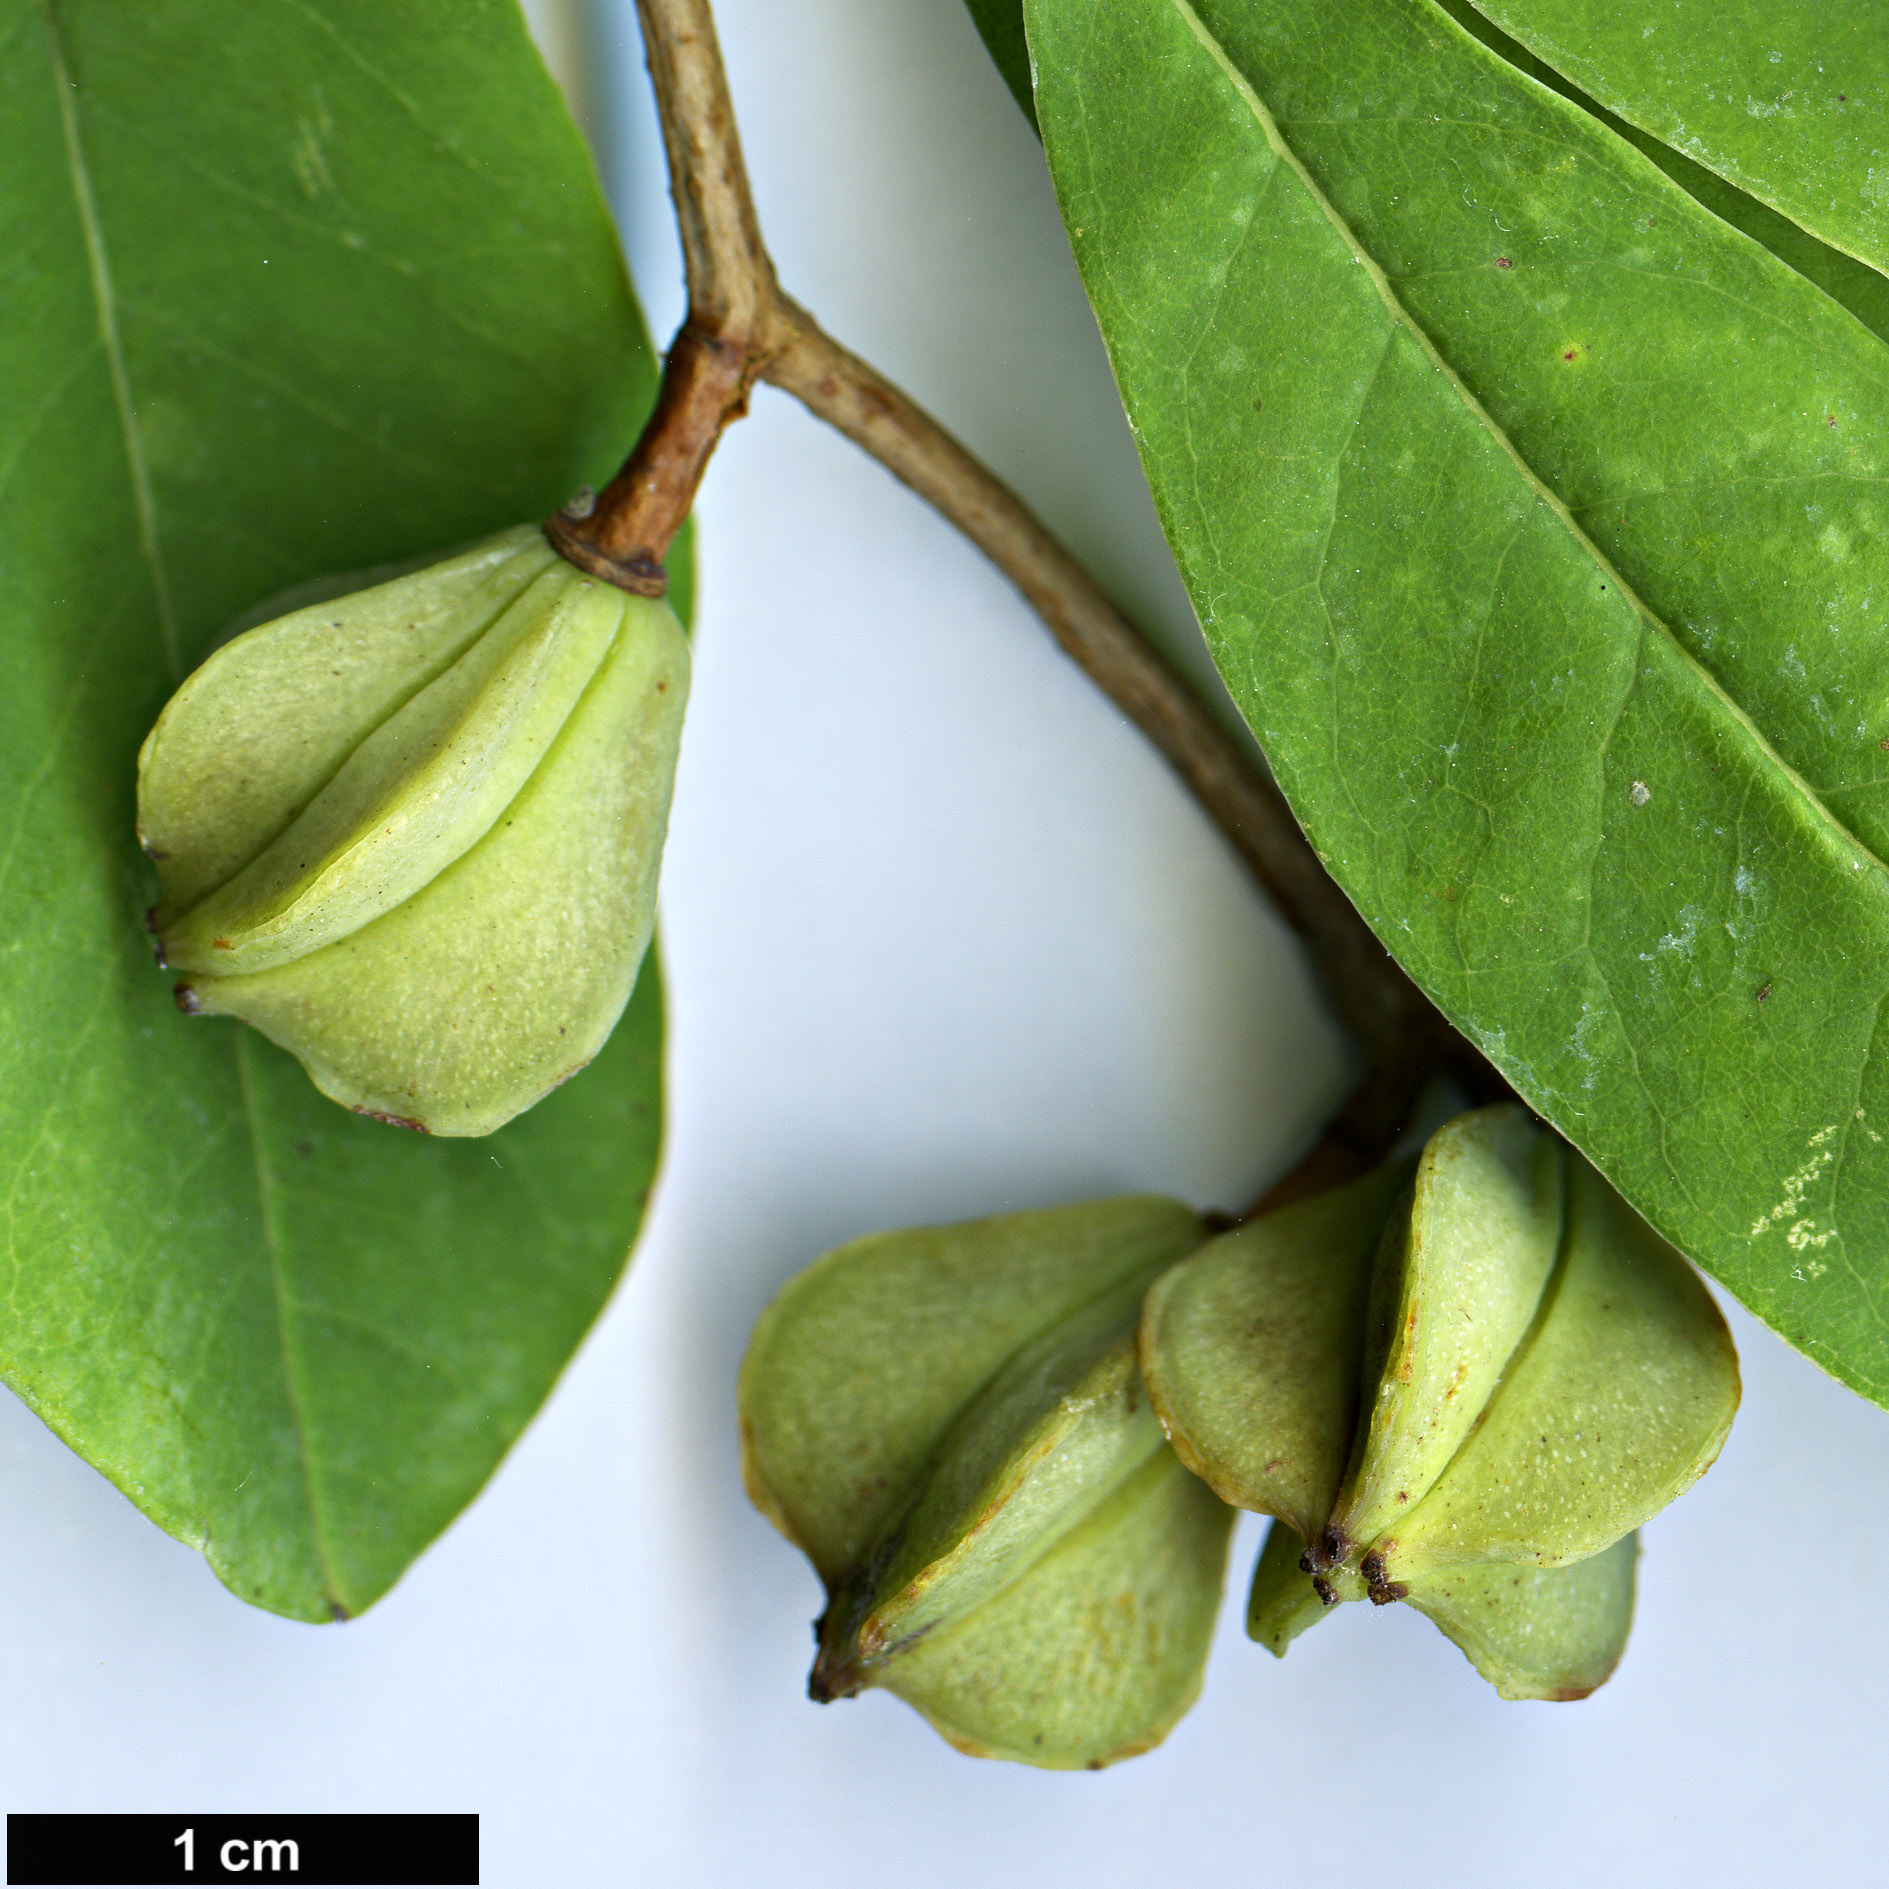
(1535,517)
(1789,103)
(289,289)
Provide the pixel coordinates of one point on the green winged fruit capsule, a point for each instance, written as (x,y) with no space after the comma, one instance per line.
(1530,1375)
(951,1422)
(412,834)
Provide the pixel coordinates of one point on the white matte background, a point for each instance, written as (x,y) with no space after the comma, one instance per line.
(943,938)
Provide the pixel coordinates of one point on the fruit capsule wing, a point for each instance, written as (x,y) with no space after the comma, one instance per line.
(859,1368)
(505,974)
(1251,1349)
(1098,1650)
(1618,1402)
(1452,1299)
(421,789)
(1535,1632)
(268,719)
(1282,1602)
(1058,1428)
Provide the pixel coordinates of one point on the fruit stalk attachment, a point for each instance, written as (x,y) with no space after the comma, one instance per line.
(742,328)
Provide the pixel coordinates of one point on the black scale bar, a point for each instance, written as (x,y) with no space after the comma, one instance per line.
(366,1852)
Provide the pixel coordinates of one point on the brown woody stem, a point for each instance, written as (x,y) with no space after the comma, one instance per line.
(623,533)
(741,328)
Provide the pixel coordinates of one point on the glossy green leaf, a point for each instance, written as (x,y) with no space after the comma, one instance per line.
(1251,1350)
(1096,1653)
(1534,516)
(859,1368)
(290,289)
(1789,103)
(1860,288)
(1538,1633)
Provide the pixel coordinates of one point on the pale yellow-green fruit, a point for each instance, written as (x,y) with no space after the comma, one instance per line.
(1053,1434)
(1617,1402)
(412,834)
(949,1420)
(1531,1375)
(1458,1279)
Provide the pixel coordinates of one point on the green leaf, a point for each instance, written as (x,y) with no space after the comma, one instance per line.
(1534,516)
(1789,103)
(290,288)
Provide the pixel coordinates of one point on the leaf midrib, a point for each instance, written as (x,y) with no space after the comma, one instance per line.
(1544,494)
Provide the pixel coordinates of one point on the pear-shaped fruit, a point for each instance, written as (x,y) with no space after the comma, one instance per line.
(950,1422)
(412,834)
(1618,1401)
(1457,1283)
(1250,1350)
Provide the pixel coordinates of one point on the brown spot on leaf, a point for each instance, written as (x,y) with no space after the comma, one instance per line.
(1764,991)
(392,1121)
(1503,262)
(187,1000)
